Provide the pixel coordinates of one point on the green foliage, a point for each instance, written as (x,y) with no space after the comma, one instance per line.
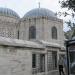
(70,5)
(71,25)
(68,34)
(71,32)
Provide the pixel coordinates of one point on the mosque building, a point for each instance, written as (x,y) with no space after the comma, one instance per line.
(30,45)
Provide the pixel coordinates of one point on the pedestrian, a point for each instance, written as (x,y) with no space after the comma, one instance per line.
(60,66)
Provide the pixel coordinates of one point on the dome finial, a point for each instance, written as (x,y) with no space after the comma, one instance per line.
(39,4)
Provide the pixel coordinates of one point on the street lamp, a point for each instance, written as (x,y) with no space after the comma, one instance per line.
(70,52)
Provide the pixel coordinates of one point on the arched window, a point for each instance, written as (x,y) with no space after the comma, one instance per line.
(32,32)
(54,33)
(18,34)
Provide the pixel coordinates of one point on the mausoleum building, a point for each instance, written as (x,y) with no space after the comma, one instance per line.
(30,45)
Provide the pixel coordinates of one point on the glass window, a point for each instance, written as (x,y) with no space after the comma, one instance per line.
(32,32)
(42,63)
(49,62)
(33,60)
(39,60)
(54,59)
(18,34)
(54,33)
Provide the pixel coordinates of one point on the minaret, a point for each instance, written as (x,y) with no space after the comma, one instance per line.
(39,4)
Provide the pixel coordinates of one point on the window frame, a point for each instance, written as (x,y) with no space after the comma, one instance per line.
(32,32)
(54,32)
(33,60)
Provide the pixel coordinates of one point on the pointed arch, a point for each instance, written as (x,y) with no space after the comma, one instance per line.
(54,32)
(32,32)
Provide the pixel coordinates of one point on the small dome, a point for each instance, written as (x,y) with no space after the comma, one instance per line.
(8,12)
(39,12)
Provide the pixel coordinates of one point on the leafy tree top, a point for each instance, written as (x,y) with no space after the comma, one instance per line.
(70,4)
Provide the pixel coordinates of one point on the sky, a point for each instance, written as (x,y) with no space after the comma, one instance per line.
(23,6)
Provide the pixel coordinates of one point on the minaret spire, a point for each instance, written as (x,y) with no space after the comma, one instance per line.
(39,4)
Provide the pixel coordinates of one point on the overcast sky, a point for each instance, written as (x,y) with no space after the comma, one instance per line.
(23,6)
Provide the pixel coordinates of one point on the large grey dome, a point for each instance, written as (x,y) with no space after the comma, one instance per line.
(8,12)
(40,12)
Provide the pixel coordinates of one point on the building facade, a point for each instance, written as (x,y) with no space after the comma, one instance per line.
(30,45)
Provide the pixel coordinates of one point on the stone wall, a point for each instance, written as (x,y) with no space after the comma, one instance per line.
(43,29)
(16,57)
(15,61)
(8,27)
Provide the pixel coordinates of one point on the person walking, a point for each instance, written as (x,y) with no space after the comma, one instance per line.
(60,66)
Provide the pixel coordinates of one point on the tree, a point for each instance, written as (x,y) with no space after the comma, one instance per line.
(70,5)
